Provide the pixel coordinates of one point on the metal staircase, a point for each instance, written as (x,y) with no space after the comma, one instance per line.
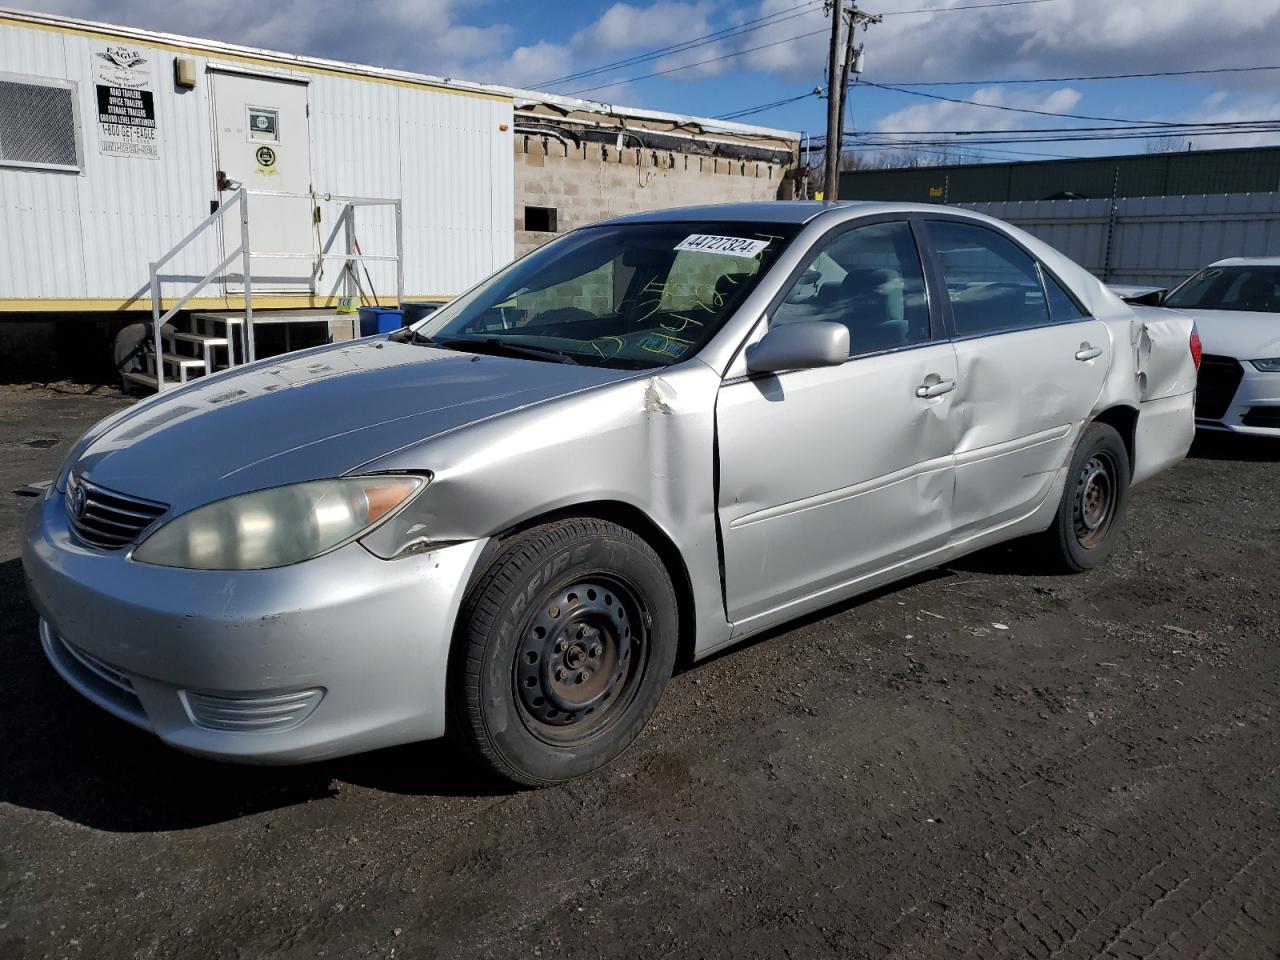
(215,340)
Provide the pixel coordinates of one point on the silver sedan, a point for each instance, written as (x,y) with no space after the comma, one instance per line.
(646,441)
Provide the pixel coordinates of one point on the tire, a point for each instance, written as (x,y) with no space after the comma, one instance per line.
(563,648)
(1093,503)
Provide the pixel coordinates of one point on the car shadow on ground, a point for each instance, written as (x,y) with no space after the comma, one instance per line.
(1217,445)
(60,753)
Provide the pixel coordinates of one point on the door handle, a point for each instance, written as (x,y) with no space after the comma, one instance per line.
(934,386)
(1088,351)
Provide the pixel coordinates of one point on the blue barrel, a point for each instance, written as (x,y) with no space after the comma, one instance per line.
(380,320)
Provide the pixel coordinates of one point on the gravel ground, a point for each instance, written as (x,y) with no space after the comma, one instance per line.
(982,761)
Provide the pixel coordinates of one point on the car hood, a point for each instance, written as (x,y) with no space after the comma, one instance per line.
(314,415)
(1237,333)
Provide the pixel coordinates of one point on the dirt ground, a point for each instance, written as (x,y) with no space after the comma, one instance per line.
(983,761)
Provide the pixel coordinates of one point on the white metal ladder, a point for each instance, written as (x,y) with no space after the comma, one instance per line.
(160,318)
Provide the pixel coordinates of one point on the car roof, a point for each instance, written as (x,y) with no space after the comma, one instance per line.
(772,211)
(1247,262)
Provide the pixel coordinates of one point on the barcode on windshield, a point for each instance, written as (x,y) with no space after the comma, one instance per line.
(728,246)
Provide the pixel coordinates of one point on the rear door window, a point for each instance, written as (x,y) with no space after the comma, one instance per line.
(992,283)
(1061,307)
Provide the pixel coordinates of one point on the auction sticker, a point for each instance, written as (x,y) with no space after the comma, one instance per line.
(728,246)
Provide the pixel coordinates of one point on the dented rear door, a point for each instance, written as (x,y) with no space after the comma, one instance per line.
(1022,399)
(1032,364)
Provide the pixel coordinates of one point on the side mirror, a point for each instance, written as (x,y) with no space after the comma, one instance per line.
(800,346)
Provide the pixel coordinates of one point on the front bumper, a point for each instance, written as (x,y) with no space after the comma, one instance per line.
(1254,407)
(336,655)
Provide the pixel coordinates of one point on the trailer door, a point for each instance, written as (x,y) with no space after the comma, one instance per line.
(262,139)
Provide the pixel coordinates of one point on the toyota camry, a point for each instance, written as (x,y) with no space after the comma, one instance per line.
(645,441)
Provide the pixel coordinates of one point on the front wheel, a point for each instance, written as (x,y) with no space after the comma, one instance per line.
(1093,502)
(564,646)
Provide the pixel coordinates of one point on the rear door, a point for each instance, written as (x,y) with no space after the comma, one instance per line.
(263,141)
(830,474)
(1031,367)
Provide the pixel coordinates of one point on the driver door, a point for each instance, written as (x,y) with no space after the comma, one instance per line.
(830,475)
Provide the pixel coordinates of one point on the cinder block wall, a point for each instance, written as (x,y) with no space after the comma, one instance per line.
(589,182)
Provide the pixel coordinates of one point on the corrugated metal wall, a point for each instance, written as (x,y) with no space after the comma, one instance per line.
(1157,240)
(91,235)
(1251,170)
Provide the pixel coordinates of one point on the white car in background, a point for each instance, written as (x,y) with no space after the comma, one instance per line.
(1236,306)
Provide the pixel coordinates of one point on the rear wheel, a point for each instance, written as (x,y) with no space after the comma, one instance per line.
(565,645)
(1093,502)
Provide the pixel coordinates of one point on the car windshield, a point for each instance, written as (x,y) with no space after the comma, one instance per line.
(622,295)
(1254,288)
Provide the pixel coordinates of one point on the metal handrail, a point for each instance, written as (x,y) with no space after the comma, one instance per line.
(241,196)
(158,321)
(204,224)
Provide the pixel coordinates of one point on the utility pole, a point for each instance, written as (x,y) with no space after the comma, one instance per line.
(842,60)
(835,103)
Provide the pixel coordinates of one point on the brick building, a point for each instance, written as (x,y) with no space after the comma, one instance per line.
(578,161)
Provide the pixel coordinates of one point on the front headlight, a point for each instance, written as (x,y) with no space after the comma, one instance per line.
(277,527)
(1270,365)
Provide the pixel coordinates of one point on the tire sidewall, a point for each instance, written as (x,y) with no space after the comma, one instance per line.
(1097,438)
(529,758)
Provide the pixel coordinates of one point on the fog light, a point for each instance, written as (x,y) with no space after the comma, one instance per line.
(270,712)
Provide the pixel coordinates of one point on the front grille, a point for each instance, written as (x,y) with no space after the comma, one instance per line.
(104,518)
(1262,417)
(1219,378)
(278,711)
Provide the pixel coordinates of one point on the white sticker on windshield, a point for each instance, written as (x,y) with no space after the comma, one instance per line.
(728,246)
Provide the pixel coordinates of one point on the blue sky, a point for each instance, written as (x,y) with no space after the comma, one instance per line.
(532,42)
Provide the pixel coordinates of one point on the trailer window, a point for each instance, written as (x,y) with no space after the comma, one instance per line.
(38,123)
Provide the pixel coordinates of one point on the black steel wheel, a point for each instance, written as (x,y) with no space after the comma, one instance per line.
(1093,501)
(580,659)
(564,646)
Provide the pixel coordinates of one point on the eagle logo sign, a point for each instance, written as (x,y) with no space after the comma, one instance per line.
(122,57)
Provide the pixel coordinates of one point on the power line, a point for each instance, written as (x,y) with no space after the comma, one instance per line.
(999,106)
(1096,76)
(749,26)
(698,63)
(1160,127)
(801,36)
(999,82)
(942,152)
(971,6)
(1088,138)
(748,111)
(870,139)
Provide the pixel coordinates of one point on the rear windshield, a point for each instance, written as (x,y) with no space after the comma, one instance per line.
(622,295)
(1255,288)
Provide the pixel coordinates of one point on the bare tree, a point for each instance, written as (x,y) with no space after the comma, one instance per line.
(906,158)
(1166,145)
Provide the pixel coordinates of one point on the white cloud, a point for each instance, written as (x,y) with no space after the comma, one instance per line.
(1061,37)
(622,28)
(1222,108)
(943,115)
(627,27)
(420,35)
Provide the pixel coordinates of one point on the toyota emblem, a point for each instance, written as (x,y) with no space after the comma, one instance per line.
(78,501)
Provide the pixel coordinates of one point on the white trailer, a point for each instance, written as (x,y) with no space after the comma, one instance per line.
(116,143)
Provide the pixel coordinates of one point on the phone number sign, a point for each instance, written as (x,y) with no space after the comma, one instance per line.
(124,78)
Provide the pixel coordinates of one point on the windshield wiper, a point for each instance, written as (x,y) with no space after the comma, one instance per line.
(498,347)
